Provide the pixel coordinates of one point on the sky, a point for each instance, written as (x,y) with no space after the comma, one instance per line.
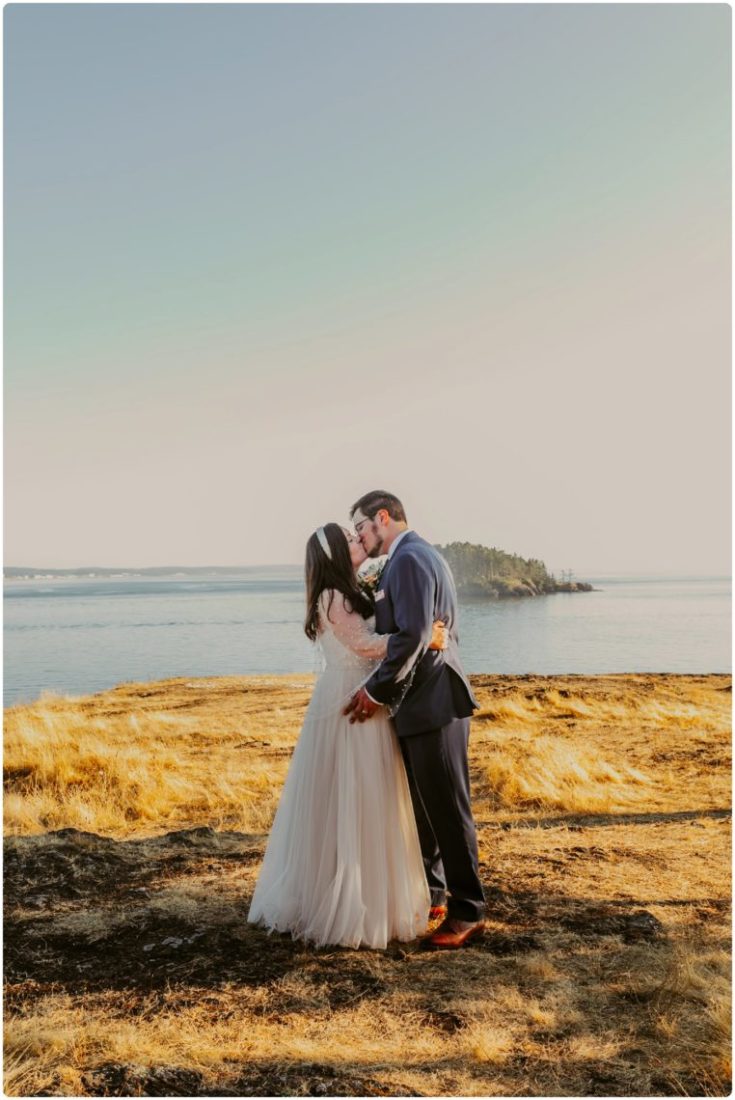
(261,259)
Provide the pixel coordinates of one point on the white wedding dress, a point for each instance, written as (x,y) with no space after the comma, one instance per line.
(343,862)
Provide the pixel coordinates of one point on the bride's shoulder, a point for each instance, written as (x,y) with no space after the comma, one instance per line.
(328,598)
(332,601)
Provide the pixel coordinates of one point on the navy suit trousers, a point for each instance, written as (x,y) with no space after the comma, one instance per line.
(439,780)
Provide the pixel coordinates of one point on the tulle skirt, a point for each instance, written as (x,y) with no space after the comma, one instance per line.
(343,861)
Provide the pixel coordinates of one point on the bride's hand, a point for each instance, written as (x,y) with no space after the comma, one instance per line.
(439,636)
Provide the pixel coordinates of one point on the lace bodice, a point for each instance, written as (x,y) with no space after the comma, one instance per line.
(346,639)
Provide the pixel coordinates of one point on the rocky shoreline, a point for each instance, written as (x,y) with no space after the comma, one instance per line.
(518,589)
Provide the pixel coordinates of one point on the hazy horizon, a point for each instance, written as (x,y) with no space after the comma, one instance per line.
(260,259)
(578,574)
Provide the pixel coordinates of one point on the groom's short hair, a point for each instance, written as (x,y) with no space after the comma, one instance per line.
(371,503)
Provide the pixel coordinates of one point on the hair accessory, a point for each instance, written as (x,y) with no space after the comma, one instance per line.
(322,536)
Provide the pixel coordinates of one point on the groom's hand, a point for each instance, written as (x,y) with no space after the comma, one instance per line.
(361,706)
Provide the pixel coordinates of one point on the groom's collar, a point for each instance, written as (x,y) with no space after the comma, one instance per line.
(395,542)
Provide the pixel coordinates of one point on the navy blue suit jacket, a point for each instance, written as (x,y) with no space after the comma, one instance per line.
(423,688)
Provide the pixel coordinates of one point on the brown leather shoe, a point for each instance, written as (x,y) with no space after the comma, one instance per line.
(453,933)
(437,912)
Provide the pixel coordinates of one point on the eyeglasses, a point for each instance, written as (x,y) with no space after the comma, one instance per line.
(361,524)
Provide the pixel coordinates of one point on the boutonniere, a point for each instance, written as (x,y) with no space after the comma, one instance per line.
(369,574)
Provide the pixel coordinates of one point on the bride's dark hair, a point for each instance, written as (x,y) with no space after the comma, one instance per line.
(336,573)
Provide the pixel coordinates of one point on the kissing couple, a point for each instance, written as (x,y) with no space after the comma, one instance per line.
(374,837)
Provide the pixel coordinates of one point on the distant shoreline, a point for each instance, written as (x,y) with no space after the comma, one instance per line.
(28,572)
(21,572)
(497,590)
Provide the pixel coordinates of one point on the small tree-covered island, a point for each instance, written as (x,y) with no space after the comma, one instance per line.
(489,573)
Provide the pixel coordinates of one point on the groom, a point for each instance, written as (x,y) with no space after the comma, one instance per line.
(431,701)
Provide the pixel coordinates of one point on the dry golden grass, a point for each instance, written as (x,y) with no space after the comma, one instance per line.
(149,758)
(603,813)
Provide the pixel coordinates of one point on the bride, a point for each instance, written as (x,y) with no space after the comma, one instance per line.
(343,862)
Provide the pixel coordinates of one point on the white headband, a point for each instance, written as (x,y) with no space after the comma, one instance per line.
(321,535)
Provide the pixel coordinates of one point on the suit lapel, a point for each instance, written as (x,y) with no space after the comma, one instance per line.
(381,600)
(383,606)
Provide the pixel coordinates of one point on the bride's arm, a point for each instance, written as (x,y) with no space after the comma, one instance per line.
(351,629)
(354,633)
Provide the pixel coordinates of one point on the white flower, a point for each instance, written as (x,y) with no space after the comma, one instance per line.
(369,574)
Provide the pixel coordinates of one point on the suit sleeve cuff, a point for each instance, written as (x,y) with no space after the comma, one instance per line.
(371,698)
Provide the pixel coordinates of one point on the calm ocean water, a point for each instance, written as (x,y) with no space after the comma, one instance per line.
(84,634)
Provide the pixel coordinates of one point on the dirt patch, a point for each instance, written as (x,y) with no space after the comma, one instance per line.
(310,1079)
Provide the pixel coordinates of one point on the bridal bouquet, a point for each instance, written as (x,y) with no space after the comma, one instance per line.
(368,577)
